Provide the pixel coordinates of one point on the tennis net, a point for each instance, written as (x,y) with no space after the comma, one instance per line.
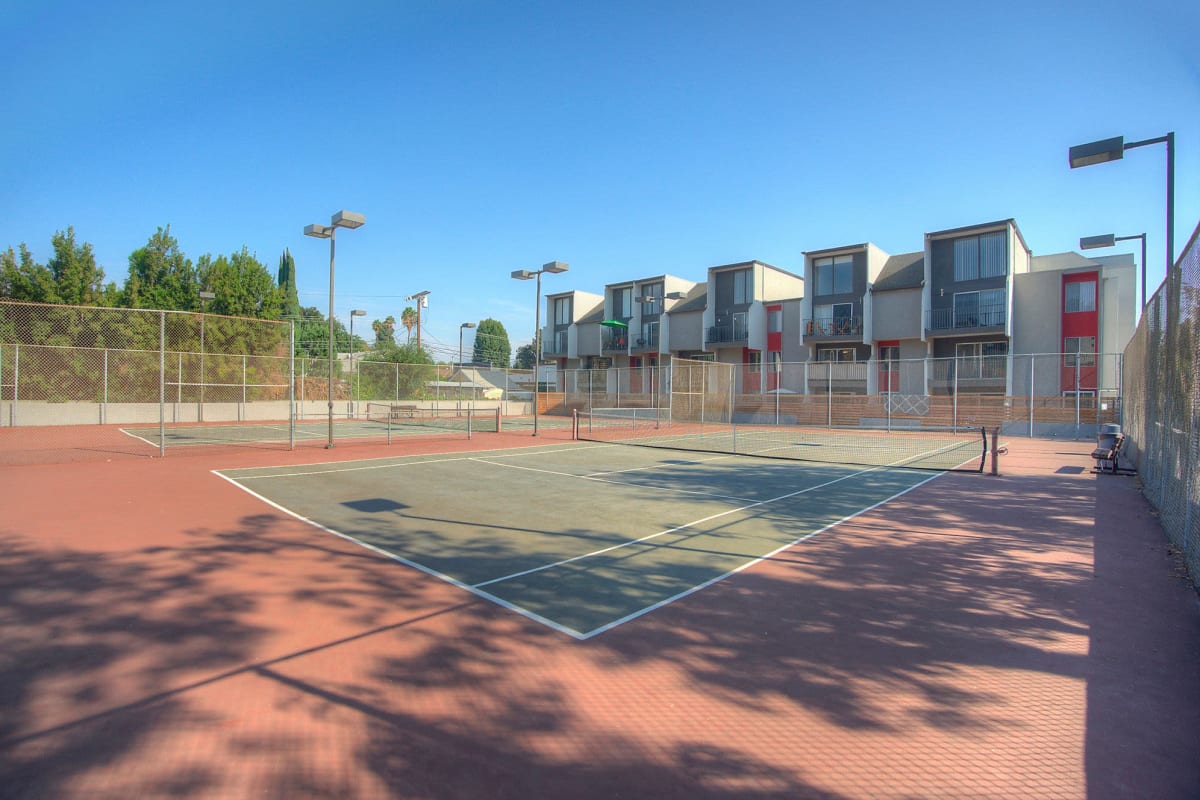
(408,418)
(941,449)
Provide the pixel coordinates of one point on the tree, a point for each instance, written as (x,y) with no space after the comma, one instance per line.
(408,318)
(77,279)
(22,278)
(385,332)
(286,280)
(161,276)
(491,343)
(525,358)
(242,285)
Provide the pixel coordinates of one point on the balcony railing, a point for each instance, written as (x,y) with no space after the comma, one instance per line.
(614,340)
(833,327)
(734,331)
(556,345)
(945,319)
(648,342)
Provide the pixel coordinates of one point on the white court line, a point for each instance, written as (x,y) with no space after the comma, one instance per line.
(641,612)
(677,528)
(421,567)
(392,462)
(593,477)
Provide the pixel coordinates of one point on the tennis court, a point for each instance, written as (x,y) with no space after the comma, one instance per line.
(581,536)
(376,421)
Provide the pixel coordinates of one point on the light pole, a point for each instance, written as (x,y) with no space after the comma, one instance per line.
(1084,155)
(204,298)
(1110,240)
(553,267)
(342,219)
(460,330)
(357,312)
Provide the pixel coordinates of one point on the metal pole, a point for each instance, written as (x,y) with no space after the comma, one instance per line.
(292,386)
(1077,391)
(162,383)
(332,239)
(1170,202)
(202,322)
(1032,362)
(537,330)
(12,417)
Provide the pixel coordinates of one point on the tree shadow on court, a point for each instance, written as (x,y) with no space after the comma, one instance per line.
(93,643)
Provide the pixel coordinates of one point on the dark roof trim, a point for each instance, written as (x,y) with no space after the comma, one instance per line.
(844,249)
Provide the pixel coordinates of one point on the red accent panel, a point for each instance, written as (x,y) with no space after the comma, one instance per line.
(1082,324)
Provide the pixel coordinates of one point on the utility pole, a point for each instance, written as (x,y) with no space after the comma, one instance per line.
(422,299)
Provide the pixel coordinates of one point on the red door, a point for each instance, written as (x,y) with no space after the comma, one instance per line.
(889,366)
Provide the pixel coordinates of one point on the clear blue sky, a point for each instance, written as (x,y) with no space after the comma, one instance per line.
(628,139)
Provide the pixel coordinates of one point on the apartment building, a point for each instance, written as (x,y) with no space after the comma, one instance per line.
(947,319)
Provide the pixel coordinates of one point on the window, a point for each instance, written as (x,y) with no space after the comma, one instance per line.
(983,256)
(776,361)
(649,336)
(836,354)
(654,290)
(978,309)
(623,303)
(1081,347)
(562,311)
(775,321)
(754,361)
(1079,296)
(890,353)
(981,359)
(742,287)
(835,275)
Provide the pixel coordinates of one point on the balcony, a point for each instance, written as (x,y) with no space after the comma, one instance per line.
(648,341)
(834,327)
(556,344)
(735,330)
(948,319)
(614,340)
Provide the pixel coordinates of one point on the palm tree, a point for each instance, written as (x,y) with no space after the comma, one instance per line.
(408,318)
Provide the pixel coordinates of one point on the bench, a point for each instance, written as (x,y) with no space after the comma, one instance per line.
(403,410)
(1108,458)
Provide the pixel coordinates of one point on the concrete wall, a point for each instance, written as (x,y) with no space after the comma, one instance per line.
(896,315)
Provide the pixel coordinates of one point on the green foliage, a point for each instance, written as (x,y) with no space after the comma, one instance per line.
(22,278)
(243,287)
(286,280)
(78,281)
(525,357)
(161,276)
(409,379)
(385,332)
(491,344)
(408,318)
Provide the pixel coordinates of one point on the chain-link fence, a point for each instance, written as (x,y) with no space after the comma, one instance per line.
(1162,367)
(1056,394)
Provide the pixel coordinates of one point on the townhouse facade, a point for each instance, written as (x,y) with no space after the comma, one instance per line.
(948,319)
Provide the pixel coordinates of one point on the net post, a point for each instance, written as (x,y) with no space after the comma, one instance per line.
(389,424)
(468,423)
(995,450)
(499,417)
(575,424)
(291,386)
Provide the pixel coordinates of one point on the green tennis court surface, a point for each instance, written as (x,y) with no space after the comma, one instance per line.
(581,536)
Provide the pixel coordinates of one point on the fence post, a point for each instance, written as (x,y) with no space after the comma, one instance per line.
(1032,378)
(12,411)
(829,394)
(162,383)
(291,385)
(104,398)
(243,410)
(954,366)
(1077,391)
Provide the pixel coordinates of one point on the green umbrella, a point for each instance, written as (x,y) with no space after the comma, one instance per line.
(614,323)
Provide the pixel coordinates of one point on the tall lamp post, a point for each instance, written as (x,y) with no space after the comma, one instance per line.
(342,219)
(1110,240)
(1084,155)
(204,298)
(553,267)
(460,330)
(357,312)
